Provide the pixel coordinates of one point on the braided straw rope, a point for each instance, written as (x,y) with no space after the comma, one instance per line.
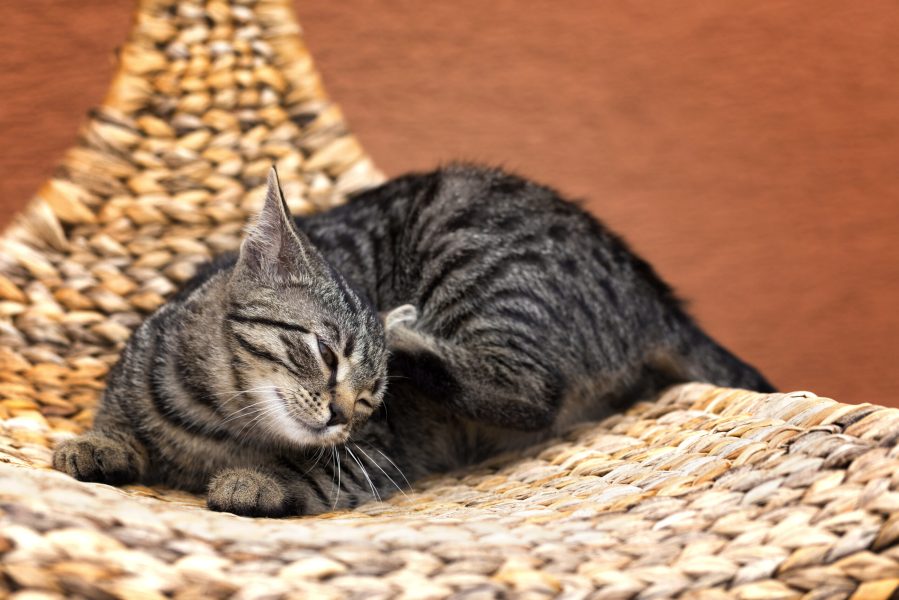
(706,493)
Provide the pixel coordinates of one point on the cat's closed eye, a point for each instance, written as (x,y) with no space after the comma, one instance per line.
(327,355)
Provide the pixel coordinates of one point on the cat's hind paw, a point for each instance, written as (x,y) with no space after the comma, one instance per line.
(248,493)
(95,457)
(405,315)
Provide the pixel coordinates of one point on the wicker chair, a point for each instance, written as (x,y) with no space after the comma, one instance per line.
(704,493)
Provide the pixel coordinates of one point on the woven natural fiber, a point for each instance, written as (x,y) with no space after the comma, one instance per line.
(704,493)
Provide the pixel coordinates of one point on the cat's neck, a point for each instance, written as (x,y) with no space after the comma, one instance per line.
(369,250)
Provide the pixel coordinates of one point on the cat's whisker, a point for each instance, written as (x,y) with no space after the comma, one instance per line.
(372,461)
(246,427)
(255,413)
(364,472)
(241,392)
(319,455)
(388,459)
(245,411)
(263,412)
(333,471)
(337,460)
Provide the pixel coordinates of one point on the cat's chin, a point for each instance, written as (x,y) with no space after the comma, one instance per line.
(301,434)
(326,436)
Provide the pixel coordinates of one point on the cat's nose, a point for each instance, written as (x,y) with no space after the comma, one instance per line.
(338,416)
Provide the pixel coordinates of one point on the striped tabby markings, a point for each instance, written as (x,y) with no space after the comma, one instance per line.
(263,354)
(252,320)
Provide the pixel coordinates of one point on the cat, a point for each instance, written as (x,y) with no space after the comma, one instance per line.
(427,324)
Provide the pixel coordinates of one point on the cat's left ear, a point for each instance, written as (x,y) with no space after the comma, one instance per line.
(273,245)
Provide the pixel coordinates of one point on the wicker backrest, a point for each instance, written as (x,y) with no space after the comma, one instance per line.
(705,493)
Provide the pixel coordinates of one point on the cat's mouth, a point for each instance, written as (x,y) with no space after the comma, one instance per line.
(322,434)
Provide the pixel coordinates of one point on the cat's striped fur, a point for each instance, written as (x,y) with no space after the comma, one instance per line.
(507,314)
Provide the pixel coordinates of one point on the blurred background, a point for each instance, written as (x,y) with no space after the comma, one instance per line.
(749,150)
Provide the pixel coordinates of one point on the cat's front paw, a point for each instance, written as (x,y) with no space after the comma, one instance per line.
(248,493)
(95,457)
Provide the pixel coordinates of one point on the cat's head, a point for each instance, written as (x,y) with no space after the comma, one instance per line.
(309,352)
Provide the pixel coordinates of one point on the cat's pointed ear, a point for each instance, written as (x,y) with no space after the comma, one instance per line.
(401,315)
(273,245)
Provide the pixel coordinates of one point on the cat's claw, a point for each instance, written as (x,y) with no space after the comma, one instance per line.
(248,493)
(97,458)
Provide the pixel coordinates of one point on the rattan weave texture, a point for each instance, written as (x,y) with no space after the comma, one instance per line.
(705,493)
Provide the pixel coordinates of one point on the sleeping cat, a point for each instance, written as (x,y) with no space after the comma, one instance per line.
(427,324)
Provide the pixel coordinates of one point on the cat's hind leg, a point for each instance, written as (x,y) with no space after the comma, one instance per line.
(101,458)
(513,384)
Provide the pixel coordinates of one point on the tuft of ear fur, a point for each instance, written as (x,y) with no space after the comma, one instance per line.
(273,246)
(401,315)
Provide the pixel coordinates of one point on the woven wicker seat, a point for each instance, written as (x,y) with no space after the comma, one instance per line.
(705,493)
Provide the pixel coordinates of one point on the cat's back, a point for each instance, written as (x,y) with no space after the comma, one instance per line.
(420,207)
(390,238)
(476,227)
(480,207)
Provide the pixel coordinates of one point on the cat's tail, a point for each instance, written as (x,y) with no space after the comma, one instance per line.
(700,358)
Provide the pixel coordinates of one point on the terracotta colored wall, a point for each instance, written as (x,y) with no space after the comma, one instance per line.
(748,149)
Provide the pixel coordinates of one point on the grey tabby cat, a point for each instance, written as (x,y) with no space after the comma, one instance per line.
(272,384)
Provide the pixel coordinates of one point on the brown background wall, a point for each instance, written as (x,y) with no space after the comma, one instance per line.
(750,150)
